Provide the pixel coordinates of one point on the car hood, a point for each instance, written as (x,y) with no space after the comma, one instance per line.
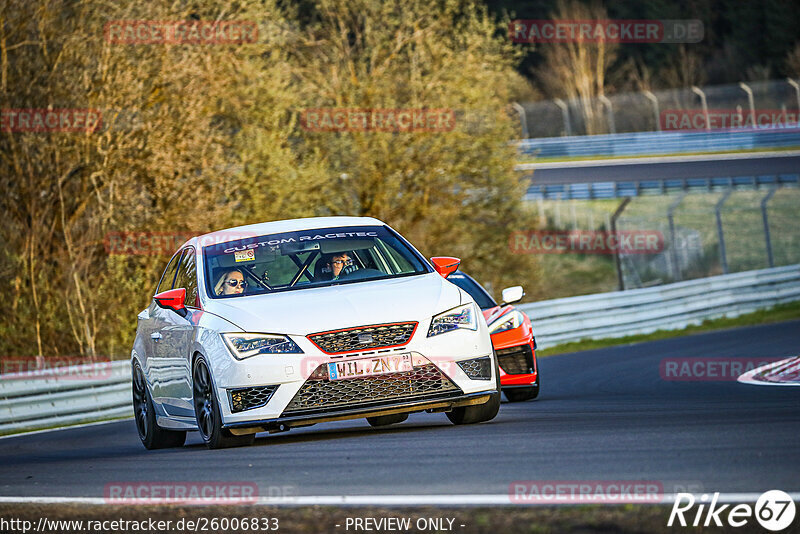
(304,311)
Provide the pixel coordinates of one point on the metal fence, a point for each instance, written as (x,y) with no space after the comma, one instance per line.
(47,401)
(706,232)
(648,111)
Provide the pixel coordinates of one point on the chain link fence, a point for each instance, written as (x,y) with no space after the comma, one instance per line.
(754,230)
(710,107)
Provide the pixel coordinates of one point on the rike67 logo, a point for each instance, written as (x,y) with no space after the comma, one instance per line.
(774,510)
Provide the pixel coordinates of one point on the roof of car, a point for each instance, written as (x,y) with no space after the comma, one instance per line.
(288,225)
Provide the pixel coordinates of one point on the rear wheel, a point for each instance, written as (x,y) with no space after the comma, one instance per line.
(384,420)
(467,415)
(206,411)
(152,435)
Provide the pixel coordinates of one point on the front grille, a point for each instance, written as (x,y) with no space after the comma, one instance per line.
(477,368)
(516,360)
(318,395)
(364,337)
(242,399)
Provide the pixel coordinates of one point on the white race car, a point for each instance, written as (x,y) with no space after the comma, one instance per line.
(285,324)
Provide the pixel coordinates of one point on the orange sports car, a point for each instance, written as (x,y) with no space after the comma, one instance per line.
(512,337)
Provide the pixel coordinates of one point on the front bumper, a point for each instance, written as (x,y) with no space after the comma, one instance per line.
(436,403)
(518,365)
(282,378)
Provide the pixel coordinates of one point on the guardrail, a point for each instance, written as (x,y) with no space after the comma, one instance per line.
(57,398)
(655,143)
(667,307)
(65,396)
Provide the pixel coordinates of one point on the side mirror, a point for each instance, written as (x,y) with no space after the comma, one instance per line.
(513,294)
(445,265)
(173,300)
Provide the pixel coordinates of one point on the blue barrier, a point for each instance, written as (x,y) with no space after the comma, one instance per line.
(647,143)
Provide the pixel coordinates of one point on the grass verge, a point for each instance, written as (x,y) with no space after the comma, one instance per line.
(776,314)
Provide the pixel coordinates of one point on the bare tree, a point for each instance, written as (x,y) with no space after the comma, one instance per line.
(578,70)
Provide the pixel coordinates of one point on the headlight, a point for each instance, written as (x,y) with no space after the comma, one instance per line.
(512,319)
(461,317)
(246,345)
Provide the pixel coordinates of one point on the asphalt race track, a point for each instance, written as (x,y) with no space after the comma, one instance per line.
(602,415)
(711,167)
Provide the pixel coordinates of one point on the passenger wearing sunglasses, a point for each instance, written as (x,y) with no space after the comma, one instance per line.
(230,283)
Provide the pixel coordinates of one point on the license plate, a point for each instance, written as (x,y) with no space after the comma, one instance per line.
(370,367)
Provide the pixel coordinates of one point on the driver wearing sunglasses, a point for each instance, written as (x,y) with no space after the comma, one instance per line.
(230,283)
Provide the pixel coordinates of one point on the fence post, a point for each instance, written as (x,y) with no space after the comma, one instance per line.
(656,113)
(565,115)
(617,259)
(717,210)
(673,255)
(558,211)
(523,119)
(609,114)
(751,103)
(573,214)
(703,103)
(765,218)
(796,90)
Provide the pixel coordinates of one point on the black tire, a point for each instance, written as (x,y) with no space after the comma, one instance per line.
(522,394)
(152,435)
(467,415)
(206,411)
(384,420)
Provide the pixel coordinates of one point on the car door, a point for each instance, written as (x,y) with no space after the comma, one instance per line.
(147,326)
(176,335)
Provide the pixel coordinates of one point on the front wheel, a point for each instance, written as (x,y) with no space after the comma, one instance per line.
(467,415)
(384,420)
(206,411)
(522,394)
(152,435)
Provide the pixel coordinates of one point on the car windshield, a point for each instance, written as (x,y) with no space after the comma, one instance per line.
(480,295)
(307,258)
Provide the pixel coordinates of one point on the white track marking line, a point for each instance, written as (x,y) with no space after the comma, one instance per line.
(748,377)
(68,427)
(381,500)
